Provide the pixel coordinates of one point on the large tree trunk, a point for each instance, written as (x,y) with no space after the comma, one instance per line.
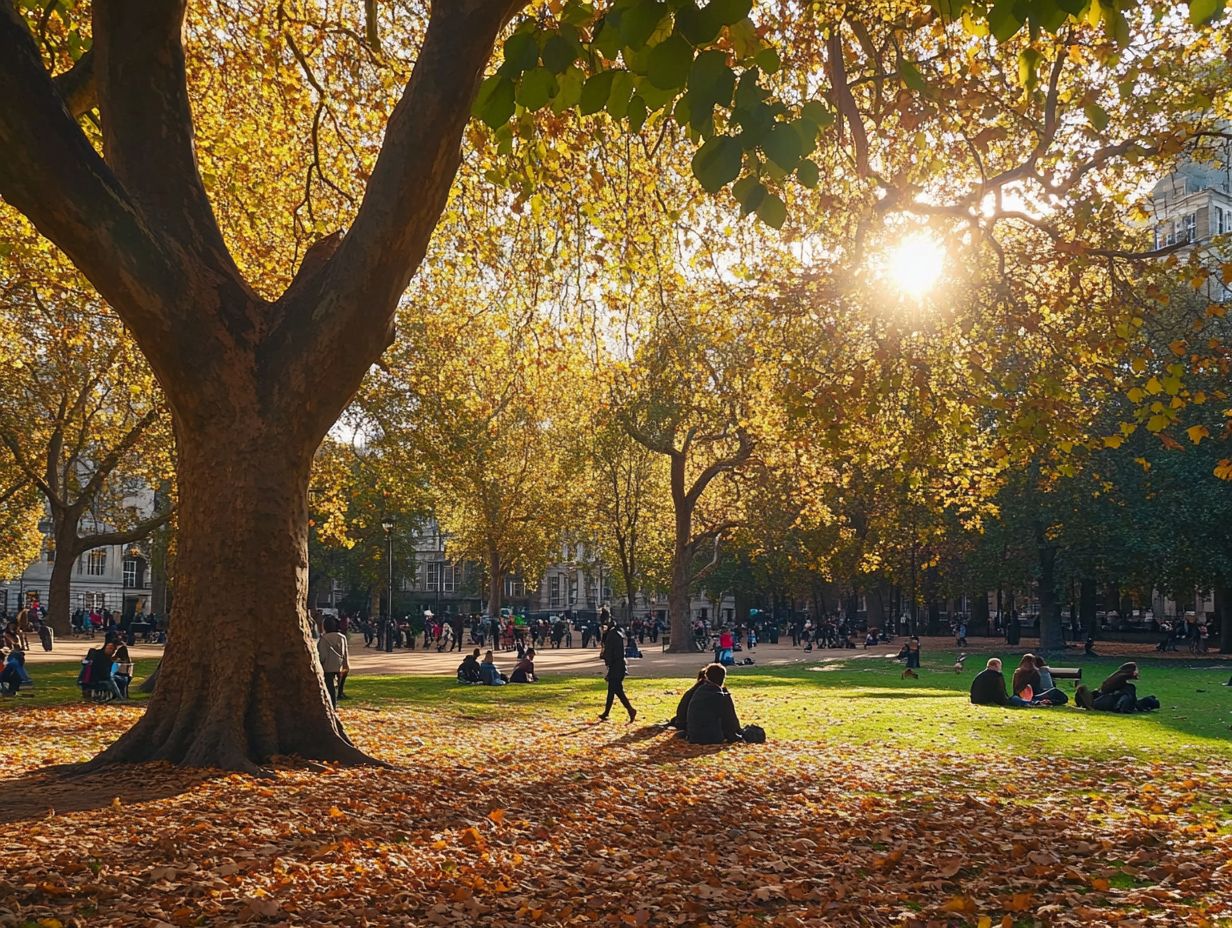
(234,693)
(59,593)
(1051,637)
(979,610)
(1223,615)
(1088,594)
(678,606)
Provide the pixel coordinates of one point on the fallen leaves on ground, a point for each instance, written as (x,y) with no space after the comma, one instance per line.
(540,822)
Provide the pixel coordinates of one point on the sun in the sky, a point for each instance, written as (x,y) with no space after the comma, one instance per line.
(914,266)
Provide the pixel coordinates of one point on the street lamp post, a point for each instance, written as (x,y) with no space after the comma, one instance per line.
(387,523)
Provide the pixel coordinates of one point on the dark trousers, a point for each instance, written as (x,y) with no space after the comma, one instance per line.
(616,690)
(331,687)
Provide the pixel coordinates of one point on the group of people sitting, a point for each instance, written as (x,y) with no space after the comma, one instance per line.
(485,672)
(107,671)
(1032,685)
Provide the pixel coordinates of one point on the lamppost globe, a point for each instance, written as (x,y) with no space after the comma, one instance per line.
(388,524)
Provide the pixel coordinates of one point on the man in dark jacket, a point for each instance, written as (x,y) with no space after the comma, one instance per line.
(711,717)
(614,656)
(988,687)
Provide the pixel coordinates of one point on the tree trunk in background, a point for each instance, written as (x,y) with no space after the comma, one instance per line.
(1051,637)
(876,606)
(1088,593)
(1013,631)
(496,585)
(934,617)
(979,611)
(236,700)
(59,593)
(1223,615)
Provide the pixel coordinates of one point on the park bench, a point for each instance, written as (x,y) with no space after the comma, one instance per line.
(1066,673)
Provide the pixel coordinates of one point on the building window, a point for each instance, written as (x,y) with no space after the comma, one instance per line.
(554,591)
(94,601)
(431,577)
(1221,221)
(448,578)
(130,573)
(514,587)
(1190,227)
(49,551)
(96,562)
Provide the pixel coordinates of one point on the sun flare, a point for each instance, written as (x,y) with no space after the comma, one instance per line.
(915,265)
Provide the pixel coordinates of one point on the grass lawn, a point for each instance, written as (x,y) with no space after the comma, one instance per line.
(877,801)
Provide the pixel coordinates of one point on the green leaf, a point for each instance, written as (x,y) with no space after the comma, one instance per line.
(1003,19)
(717,163)
(817,113)
(669,62)
(1202,12)
(1028,68)
(521,53)
(807,173)
(772,211)
(701,27)
(596,92)
(494,104)
(558,54)
(536,88)
(782,146)
(637,113)
(569,90)
(1096,116)
(607,40)
(911,76)
(711,81)
(768,60)
(749,192)
(640,20)
(622,92)
(730,12)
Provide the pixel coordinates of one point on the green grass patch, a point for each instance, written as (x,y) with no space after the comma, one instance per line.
(855,702)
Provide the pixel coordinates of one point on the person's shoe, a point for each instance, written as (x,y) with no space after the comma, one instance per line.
(343,696)
(603,717)
(632,716)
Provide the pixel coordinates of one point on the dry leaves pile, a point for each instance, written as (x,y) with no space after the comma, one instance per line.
(546,823)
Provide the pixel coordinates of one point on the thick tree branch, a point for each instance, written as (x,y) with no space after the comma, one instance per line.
(77,87)
(148,135)
(356,294)
(104,468)
(51,173)
(844,102)
(124,536)
(740,456)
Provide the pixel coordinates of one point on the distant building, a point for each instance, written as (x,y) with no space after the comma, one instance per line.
(1192,206)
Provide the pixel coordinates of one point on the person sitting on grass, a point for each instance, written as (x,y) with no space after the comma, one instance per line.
(680,721)
(870,640)
(1048,690)
(1026,677)
(988,688)
(469,670)
(13,675)
(524,672)
(99,674)
(488,673)
(711,716)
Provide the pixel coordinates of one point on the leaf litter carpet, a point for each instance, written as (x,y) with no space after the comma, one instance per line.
(540,822)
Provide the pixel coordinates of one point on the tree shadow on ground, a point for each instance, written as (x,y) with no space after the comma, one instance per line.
(59,790)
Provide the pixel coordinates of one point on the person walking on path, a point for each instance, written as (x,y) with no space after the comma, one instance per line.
(332,650)
(617,669)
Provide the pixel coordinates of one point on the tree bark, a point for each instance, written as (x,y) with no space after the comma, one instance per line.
(979,611)
(1087,595)
(237,693)
(496,584)
(1223,615)
(59,593)
(1051,637)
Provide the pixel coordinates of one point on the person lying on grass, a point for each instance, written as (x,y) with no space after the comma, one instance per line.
(988,688)
(1117,693)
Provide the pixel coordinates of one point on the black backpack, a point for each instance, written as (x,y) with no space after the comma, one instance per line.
(753,734)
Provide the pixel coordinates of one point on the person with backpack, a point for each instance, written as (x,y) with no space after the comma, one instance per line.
(469,670)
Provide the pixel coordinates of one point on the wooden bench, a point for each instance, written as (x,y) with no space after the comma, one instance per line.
(1066,673)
